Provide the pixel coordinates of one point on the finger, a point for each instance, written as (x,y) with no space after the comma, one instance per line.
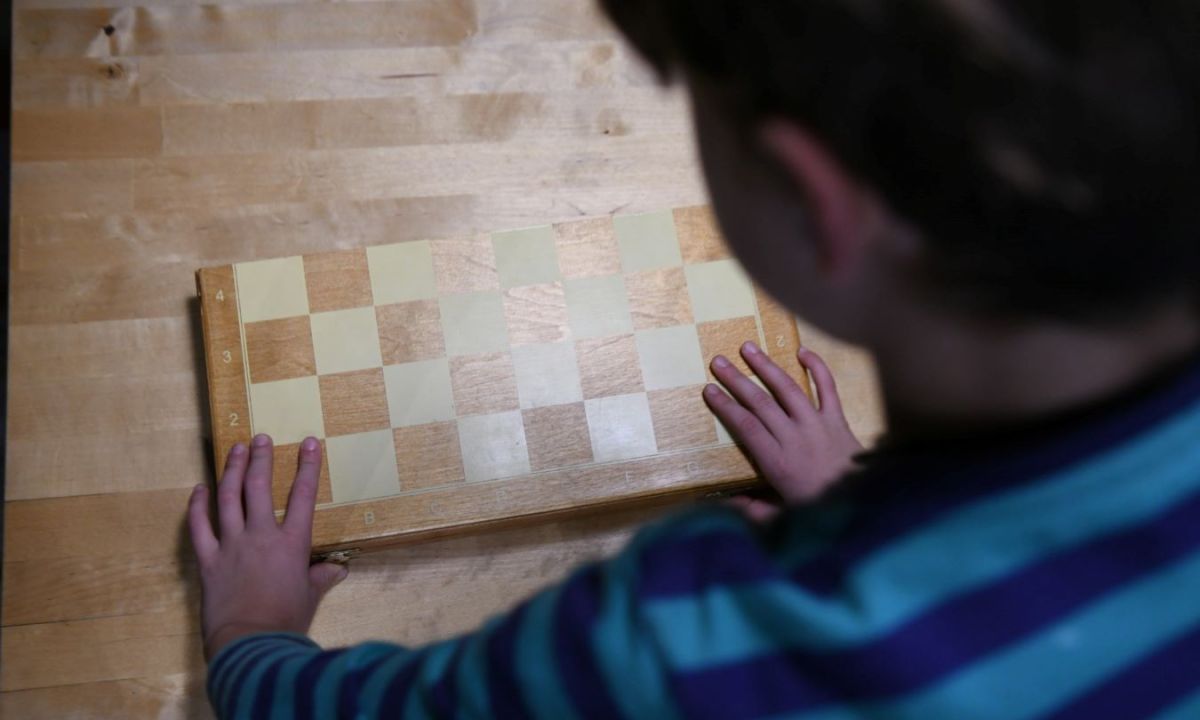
(322,577)
(741,423)
(758,401)
(760,511)
(231,516)
(827,392)
(204,542)
(303,497)
(259,512)
(785,388)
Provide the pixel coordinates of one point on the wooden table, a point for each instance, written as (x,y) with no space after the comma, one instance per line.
(151,139)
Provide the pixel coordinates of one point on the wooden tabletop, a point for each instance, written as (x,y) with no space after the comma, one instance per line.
(151,139)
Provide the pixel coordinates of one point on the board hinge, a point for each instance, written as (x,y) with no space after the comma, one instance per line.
(340,557)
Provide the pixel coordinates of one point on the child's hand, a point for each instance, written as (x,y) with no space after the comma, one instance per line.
(800,449)
(256,578)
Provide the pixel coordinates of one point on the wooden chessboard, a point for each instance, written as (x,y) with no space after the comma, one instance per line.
(463,381)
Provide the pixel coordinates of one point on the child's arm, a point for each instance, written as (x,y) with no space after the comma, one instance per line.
(609,635)
(600,644)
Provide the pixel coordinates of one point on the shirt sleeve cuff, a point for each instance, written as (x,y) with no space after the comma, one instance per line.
(233,648)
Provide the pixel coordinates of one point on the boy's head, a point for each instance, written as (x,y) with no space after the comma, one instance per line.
(1032,160)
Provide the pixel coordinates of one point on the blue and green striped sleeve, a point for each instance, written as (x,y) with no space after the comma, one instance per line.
(582,649)
(1054,581)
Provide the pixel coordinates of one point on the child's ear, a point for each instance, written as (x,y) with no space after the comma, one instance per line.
(836,204)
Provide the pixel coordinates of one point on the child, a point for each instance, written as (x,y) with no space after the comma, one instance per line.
(999,200)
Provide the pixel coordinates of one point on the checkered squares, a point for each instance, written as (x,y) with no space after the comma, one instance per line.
(473,323)
(271,289)
(493,446)
(621,427)
(547,374)
(659,298)
(401,273)
(280,349)
(424,364)
(345,340)
(337,280)
(598,307)
(647,242)
(536,314)
(419,392)
(526,257)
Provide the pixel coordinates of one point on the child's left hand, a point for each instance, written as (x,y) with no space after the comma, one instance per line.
(256,578)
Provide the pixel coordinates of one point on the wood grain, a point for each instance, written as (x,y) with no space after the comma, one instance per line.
(229,402)
(197,136)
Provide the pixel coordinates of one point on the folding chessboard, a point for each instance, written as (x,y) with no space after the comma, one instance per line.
(464,381)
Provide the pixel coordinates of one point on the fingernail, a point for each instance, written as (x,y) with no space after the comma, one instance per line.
(343,573)
(261,440)
(309,444)
(199,487)
(750,348)
(238,449)
(720,361)
(710,389)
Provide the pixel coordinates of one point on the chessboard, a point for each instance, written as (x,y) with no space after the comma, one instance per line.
(466,381)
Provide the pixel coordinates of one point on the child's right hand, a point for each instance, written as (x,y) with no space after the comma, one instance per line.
(799,448)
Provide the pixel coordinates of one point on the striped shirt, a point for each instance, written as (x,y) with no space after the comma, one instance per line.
(1052,575)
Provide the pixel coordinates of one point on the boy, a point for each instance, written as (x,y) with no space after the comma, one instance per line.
(998,199)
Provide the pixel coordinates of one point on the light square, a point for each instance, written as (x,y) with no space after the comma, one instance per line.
(536,314)
(681,418)
(463,265)
(647,241)
(547,374)
(346,340)
(354,402)
(699,238)
(483,383)
(363,466)
(720,290)
(271,289)
(428,455)
(557,436)
(283,473)
(598,307)
(473,323)
(419,392)
(620,427)
(670,357)
(724,437)
(337,280)
(279,349)
(287,410)
(410,331)
(493,446)
(659,298)
(526,257)
(402,272)
(609,366)
(726,337)
(587,248)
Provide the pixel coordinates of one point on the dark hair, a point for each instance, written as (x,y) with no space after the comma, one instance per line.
(1045,149)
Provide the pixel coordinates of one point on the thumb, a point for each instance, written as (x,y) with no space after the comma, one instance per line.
(323,576)
(755,510)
